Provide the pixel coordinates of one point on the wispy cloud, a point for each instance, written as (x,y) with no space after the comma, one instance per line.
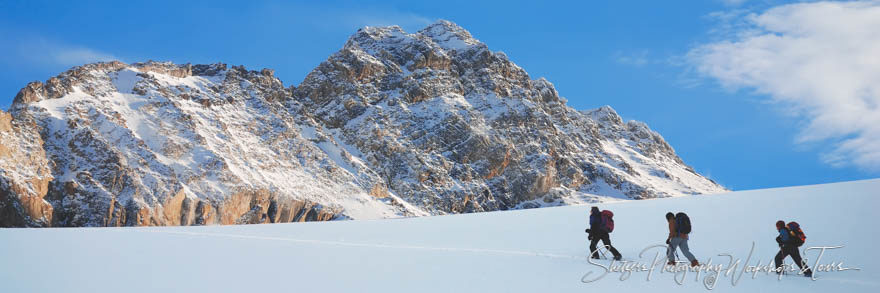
(638,58)
(40,51)
(329,17)
(62,54)
(818,61)
(408,21)
(80,56)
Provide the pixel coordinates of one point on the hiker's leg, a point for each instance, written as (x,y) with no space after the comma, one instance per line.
(796,256)
(780,256)
(683,245)
(606,240)
(670,252)
(593,242)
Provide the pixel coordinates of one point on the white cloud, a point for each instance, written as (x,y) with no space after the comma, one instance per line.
(33,50)
(820,61)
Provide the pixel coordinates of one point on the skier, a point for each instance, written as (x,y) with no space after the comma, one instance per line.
(790,238)
(601,223)
(679,228)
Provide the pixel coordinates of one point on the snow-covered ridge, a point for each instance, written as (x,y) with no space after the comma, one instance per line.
(136,145)
(394,124)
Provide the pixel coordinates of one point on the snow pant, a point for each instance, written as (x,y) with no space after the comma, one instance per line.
(795,255)
(681,243)
(606,240)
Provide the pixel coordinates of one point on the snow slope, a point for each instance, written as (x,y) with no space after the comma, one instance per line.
(537,250)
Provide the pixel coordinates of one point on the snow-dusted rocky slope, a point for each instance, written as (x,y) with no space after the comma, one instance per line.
(394,124)
(535,250)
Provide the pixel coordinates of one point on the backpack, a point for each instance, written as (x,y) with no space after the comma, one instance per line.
(798,236)
(607,223)
(682,223)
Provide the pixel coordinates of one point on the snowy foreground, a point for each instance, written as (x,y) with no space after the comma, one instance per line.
(539,250)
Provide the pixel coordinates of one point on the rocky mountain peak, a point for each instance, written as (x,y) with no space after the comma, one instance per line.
(605,114)
(443,36)
(393,124)
(386,63)
(61,85)
(437,109)
(449,35)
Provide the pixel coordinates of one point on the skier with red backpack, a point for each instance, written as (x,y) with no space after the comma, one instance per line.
(790,238)
(679,228)
(601,224)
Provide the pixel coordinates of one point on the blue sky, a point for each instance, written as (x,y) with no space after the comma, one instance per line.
(667,63)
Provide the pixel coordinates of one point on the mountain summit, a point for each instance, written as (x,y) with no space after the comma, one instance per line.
(394,124)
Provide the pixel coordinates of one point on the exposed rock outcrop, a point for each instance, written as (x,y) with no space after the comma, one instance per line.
(24,176)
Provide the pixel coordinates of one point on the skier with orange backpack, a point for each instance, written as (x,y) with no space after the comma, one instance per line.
(790,238)
(601,224)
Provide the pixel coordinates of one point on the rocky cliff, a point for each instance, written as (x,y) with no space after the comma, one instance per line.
(394,124)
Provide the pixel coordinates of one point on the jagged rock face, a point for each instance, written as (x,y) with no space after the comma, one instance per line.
(24,176)
(394,124)
(454,127)
(165,144)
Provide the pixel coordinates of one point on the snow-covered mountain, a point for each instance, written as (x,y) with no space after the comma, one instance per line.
(394,124)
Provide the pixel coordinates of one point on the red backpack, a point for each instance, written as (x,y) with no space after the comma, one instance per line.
(607,221)
(795,230)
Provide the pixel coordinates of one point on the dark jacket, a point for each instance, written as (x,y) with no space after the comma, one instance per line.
(596,224)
